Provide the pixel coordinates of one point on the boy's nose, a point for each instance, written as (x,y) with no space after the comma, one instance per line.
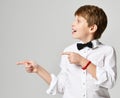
(73,24)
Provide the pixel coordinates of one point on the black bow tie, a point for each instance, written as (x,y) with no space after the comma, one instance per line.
(81,46)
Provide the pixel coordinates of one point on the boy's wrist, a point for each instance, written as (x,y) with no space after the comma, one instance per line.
(85,67)
(37,68)
(83,62)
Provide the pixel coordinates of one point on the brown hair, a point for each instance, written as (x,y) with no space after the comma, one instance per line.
(94,15)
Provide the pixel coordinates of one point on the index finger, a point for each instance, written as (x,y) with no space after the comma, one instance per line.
(66,53)
(22,63)
(19,63)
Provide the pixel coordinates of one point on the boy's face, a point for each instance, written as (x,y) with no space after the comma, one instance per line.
(80,29)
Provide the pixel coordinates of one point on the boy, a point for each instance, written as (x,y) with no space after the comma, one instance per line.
(88,67)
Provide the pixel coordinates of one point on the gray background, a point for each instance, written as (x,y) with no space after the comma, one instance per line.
(39,30)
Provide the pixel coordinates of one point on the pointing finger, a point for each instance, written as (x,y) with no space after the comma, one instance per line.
(66,53)
(23,63)
(19,63)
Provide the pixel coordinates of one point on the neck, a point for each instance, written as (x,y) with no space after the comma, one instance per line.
(86,40)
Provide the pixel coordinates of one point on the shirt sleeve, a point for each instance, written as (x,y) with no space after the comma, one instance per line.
(106,76)
(57,84)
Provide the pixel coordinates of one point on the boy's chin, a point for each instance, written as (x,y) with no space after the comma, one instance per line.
(76,37)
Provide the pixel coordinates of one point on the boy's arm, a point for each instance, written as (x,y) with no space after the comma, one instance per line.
(77,59)
(91,68)
(45,75)
(105,76)
(32,67)
(56,84)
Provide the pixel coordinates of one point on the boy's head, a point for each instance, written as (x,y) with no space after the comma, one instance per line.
(90,20)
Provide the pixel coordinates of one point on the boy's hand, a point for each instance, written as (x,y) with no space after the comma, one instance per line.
(30,66)
(73,57)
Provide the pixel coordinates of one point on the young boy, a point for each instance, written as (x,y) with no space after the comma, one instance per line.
(88,67)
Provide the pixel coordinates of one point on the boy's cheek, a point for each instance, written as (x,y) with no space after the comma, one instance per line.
(77,35)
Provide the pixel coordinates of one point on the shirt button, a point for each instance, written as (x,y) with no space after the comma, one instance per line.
(84,95)
(83,83)
(84,72)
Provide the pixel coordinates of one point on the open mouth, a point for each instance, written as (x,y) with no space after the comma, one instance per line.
(73,31)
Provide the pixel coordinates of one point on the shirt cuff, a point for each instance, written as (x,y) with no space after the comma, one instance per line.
(101,76)
(52,88)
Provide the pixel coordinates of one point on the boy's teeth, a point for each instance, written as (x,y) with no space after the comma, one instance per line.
(74,30)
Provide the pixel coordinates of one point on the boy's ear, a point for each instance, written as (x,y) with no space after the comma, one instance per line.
(93,28)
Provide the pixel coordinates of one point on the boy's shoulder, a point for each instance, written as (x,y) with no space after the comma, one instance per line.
(107,48)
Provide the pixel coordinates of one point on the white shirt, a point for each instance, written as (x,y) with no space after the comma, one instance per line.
(73,82)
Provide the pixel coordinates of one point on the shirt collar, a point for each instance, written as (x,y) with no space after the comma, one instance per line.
(95,43)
